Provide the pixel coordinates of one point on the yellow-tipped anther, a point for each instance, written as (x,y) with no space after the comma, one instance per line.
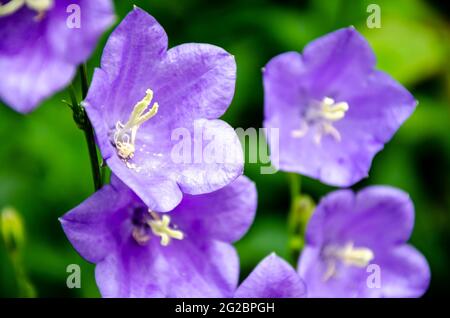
(161,227)
(125,134)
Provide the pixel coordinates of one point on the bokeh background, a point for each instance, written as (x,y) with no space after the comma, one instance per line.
(45,169)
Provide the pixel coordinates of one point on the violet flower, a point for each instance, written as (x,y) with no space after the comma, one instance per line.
(143,93)
(39,52)
(273,277)
(142,253)
(356,246)
(334,110)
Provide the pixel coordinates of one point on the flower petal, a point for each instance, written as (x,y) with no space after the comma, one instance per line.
(336,62)
(272,278)
(225,214)
(376,216)
(159,193)
(31,75)
(183,269)
(94,226)
(194,81)
(217,158)
(404,272)
(74,45)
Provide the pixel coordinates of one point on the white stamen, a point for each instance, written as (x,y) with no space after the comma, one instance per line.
(125,134)
(322,115)
(348,255)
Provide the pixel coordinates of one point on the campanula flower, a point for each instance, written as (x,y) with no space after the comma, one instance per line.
(140,252)
(356,246)
(143,93)
(333,109)
(273,277)
(42,43)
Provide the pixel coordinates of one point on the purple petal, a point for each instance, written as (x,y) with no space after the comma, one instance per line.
(76,44)
(336,61)
(94,227)
(183,269)
(217,158)
(272,278)
(376,216)
(31,75)
(225,214)
(158,192)
(404,273)
(194,81)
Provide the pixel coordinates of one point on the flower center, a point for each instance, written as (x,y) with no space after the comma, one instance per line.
(148,223)
(125,134)
(322,115)
(40,6)
(348,254)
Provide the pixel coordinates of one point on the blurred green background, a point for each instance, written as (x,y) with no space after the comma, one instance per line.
(45,169)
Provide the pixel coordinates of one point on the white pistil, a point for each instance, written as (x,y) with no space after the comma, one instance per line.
(348,255)
(40,6)
(161,227)
(322,114)
(125,134)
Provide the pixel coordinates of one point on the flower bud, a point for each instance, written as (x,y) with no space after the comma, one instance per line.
(11,228)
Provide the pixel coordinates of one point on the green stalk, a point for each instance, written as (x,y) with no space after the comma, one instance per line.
(83,122)
(301,209)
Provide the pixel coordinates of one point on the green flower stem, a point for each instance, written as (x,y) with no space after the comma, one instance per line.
(90,140)
(301,209)
(25,288)
(83,122)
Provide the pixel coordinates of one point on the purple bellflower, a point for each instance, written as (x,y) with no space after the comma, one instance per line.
(142,253)
(273,277)
(41,46)
(333,109)
(356,246)
(143,93)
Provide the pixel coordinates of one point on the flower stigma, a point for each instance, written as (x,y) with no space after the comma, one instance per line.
(40,6)
(349,255)
(125,134)
(161,227)
(322,115)
(148,223)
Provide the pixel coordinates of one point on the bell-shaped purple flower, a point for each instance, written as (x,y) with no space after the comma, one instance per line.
(42,42)
(273,277)
(142,253)
(333,109)
(356,246)
(145,98)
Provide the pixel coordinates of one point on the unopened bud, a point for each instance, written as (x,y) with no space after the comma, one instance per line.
(11,228)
